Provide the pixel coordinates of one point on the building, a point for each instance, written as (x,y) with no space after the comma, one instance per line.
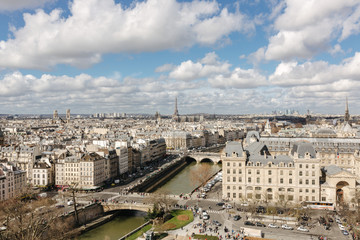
(42,175)
(84,172)
(252,174)
(123,159)
(12,180)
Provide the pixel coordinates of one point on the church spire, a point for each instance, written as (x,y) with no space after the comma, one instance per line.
(347,115)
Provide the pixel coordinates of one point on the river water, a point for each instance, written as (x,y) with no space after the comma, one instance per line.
(129,220)
(116,228)
(183,182)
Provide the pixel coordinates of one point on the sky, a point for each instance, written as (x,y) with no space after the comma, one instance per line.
(215,56)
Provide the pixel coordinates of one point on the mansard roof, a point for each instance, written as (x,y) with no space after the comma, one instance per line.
(301,148)
(234,147)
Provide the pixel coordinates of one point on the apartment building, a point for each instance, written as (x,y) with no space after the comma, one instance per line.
(12,180)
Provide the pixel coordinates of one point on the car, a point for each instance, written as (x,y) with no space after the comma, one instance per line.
(244,204)
(342,228)
(271,225)
(60,206)
(220,204)
(217,223)
(345,232)
(259,224)
(249,223)
(237,217)
(69,203)
(302,228)
(286,227)
(206,217)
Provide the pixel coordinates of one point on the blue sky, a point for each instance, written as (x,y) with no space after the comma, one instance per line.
(216,56)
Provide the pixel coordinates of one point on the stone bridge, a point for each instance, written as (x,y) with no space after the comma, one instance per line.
(205,156)
(126,206)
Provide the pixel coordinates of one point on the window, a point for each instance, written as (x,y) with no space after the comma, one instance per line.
(228,195)
(300,166)
(249,171)
(281,172)
(313,166)
(234,164)
(228,171)
(269,180)
(281,180)
(249,180)
(313,190)
(240,172)
(228,179)
(300,181)
(290,181)
(307,190)
(290,173)
(300,198)
(269,172)
(291,198)
(307,166)
(234,171)
(323,199)
(300,173)
(240,179)
(258,188)
(249,195)
(234,195)
(307,181)
(239,164)
(313,198)
(228,164)
(258,172)
(313,182)
(240,195)
(313,173)
(307,173)
(258,196)
(257,180)
(228,187)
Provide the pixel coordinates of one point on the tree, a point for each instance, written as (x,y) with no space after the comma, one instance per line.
(162,201)
(200,174)
(27,218)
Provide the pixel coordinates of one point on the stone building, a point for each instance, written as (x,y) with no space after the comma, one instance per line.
(12,180)
(252,174)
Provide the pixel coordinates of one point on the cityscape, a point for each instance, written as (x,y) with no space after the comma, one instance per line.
(179,119)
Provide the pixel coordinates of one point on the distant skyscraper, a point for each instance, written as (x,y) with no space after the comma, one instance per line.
(68,115)
(347,115)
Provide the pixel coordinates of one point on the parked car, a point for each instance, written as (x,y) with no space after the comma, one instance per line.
(217,223)
(302,228)
(244,204)
(206,217)
(259,224)
(249,223)
(345,232)
(271,225)
(60,206)
(287,227)
(220,204)
(237,217)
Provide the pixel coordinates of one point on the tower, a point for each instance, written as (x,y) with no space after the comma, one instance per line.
(347,115)
(55,115)
(175,116)
(68,115)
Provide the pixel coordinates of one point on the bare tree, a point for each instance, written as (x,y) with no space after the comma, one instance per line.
(161,200)
(27,218)
(200,174)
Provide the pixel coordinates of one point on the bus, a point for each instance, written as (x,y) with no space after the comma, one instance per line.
(319,205)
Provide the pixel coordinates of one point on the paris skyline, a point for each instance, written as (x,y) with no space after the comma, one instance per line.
(215,56)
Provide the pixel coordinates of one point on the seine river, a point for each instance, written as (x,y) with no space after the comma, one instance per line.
(130,220)
(182,182)
(116,228)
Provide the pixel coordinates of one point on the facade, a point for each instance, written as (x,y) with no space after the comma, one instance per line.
(177,140)
(12,180)
(123,159)
(85,172)
(42,175)
(254,175)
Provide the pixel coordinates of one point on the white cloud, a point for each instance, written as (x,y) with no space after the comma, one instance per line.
(101,26)
(205,68)
(336,50)
(314,73)
(165,68)
(12,5)
(308,27)
(239,78)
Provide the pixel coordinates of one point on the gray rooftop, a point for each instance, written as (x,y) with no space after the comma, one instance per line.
(234,147)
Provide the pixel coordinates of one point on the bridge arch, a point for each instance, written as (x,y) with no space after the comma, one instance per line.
(206,160)
(189,159)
